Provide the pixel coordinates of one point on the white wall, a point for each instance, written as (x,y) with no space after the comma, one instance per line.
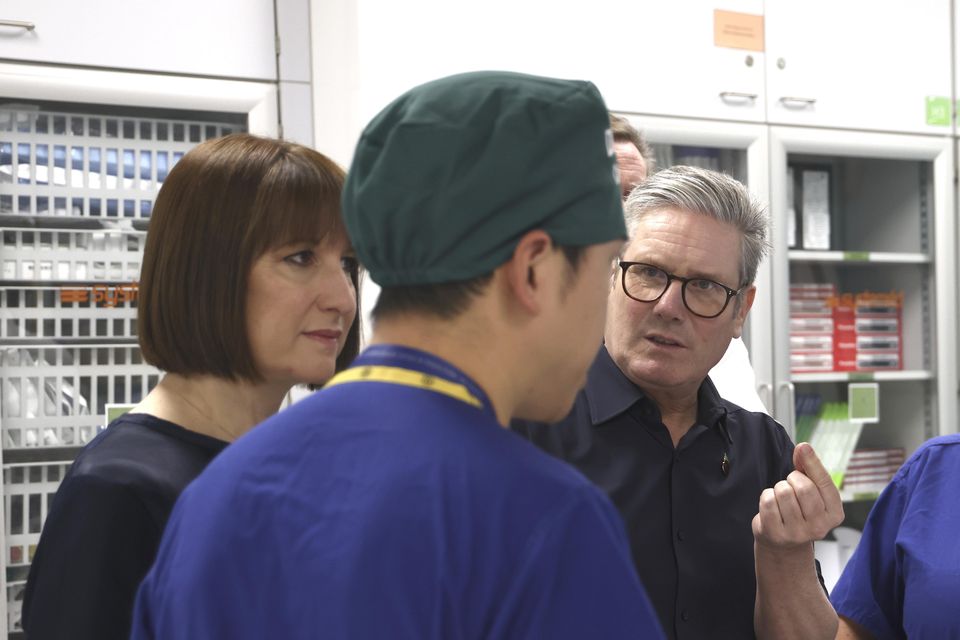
(367,52)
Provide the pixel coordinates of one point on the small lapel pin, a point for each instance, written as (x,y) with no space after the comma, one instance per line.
(725,464)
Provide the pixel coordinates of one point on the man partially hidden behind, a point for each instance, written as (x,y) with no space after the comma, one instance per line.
(635,158)
(721,527)
(395,503)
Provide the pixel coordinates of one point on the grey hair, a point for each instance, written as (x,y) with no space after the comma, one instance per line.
(708,193)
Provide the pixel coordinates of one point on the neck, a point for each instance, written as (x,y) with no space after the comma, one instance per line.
(462,343)
(678,411)
(212,406)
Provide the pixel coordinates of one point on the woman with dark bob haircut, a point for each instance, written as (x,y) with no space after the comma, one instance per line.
(248,287)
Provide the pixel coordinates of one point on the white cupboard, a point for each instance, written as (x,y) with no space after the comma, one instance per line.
(221,38)
(858,64)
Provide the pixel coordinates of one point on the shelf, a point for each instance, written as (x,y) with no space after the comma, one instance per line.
(118,224)
(858,257)
(863,376)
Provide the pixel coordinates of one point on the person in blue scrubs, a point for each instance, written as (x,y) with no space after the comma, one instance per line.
(903,581)
(395,503)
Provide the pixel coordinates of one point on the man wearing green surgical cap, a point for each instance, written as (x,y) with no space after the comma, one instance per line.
(395,503)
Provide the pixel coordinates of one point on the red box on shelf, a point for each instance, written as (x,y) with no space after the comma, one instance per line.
(811,327)
(868,332)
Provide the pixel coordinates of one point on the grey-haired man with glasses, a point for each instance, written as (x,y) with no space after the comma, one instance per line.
(720,508)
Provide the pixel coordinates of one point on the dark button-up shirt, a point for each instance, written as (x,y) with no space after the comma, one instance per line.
(688,509)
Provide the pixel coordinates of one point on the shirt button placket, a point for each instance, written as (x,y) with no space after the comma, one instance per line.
(676,507)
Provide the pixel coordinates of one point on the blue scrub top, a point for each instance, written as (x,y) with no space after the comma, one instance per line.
(392,507)
(904,578)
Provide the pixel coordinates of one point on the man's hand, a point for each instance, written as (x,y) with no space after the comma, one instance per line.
(801,509)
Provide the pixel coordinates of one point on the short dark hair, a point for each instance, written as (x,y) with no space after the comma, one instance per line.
(446,300)
(623,131)
(222,206)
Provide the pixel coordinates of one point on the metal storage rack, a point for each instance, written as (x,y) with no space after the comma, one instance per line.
(892,229)
(77,185)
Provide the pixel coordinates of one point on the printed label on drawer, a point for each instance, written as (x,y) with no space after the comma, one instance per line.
(810,306)
(811,343)
(878,343)
(876,309)
(877,325)
(811,361)
(812,291)
(878,361)
(811,325)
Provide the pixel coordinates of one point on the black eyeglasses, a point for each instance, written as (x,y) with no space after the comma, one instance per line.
(702,297)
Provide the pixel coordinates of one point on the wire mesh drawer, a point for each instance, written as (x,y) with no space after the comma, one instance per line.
(28,492)
(77,188)
(56,396)
(15,591)
(86,254)
(54,313)
(91,165)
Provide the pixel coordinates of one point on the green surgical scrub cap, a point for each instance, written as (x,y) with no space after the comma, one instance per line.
(449,176)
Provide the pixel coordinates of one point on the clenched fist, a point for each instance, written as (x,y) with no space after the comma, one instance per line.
(801,509)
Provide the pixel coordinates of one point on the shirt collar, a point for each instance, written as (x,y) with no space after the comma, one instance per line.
(610,393)
(711,409)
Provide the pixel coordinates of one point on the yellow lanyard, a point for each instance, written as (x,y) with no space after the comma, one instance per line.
(406,377)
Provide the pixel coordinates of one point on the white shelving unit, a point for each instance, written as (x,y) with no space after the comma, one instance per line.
(77,183)
(893,229)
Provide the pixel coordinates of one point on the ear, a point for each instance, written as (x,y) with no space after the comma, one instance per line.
(524,272)
(748,297)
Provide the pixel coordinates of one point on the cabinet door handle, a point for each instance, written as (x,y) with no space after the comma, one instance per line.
(765,391)
(800,103)
(19,24)
(788,409)
(737,96)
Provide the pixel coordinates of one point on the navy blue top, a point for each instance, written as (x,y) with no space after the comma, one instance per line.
(903,581)
(379,510)
(688,515)
(104,527)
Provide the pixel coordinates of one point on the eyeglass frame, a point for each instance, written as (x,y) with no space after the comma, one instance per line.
(625,265)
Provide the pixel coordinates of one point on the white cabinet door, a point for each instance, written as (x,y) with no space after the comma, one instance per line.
(229,38)
(662,59)
(859,64)
(655,58)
